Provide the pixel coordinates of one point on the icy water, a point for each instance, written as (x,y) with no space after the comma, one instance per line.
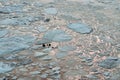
(59,40)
